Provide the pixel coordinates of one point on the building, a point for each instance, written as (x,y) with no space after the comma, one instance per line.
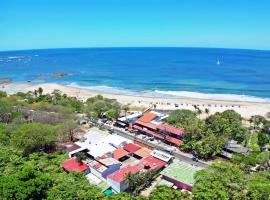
(180,174)
(142,153)
(233,147)
(125,121)
(120,154)
(161,155)
(102,167)
(131,148)
(151,124)
(117,179)
(72,149)
(76,166)
(96,143)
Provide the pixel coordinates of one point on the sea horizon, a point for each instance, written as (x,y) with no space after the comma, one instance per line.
(134,47)
(175,72)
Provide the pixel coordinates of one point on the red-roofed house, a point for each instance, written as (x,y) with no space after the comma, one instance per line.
(170,129)
(74,165)
(147,117)
(131,147)
(117,179)
(120,154)
(102,167)
(142,153)
(73,148)
(149,125)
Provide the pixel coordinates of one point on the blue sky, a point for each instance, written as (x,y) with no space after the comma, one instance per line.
(32,24)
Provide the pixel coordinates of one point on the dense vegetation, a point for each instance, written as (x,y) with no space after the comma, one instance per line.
(33,127)
(102,107)
(206,138)
(246,176)
(237,180)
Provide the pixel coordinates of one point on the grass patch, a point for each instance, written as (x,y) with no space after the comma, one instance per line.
(253,142)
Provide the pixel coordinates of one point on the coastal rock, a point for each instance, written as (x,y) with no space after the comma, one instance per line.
(5,80)
(53,75)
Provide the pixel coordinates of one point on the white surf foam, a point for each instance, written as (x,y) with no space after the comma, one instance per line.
(226,97)
(171,94)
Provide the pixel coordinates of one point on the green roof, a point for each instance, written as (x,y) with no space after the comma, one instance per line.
(182,172)
(166,183)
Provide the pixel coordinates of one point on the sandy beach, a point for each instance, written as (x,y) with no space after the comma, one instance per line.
(246,109)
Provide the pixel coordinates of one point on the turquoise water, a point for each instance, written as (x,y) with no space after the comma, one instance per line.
(229,74)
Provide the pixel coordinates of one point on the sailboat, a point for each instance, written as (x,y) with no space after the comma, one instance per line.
(218,63)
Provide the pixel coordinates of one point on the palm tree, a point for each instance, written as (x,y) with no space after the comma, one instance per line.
(207,111)
(35,93)
(80,157)
(130,180)
(199,111)
(250,120)
(40,91)
(126,109)
(195,107)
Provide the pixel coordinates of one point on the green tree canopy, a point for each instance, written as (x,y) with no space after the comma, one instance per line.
(182,118)
(34,137)
(166,193)
(258,186)
(220,181)
(227,124)
(3,94)
(99,106)
(25,184)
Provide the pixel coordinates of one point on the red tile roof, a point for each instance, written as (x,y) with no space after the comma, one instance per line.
(97,165)
(143,152)
(147,117)
(152,162)
(148,131)
(71,147)
(120,174)
(131,147)
(149,161)
(119,153)
(74,165)
(170,129)
(173,140)
(147,125)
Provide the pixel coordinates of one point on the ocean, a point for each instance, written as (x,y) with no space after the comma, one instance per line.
(208,73)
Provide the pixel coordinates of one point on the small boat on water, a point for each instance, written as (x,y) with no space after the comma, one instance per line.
(218,63)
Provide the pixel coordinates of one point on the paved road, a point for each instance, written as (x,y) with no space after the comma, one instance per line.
(156,146)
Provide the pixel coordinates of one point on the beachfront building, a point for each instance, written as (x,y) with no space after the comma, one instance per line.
(117,179)
(180,175)
(129,119)
(151,124)
(76,166)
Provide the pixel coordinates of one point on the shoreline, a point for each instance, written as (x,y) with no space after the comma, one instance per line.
(245,108)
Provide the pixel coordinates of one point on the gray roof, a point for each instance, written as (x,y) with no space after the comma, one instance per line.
(233,146)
